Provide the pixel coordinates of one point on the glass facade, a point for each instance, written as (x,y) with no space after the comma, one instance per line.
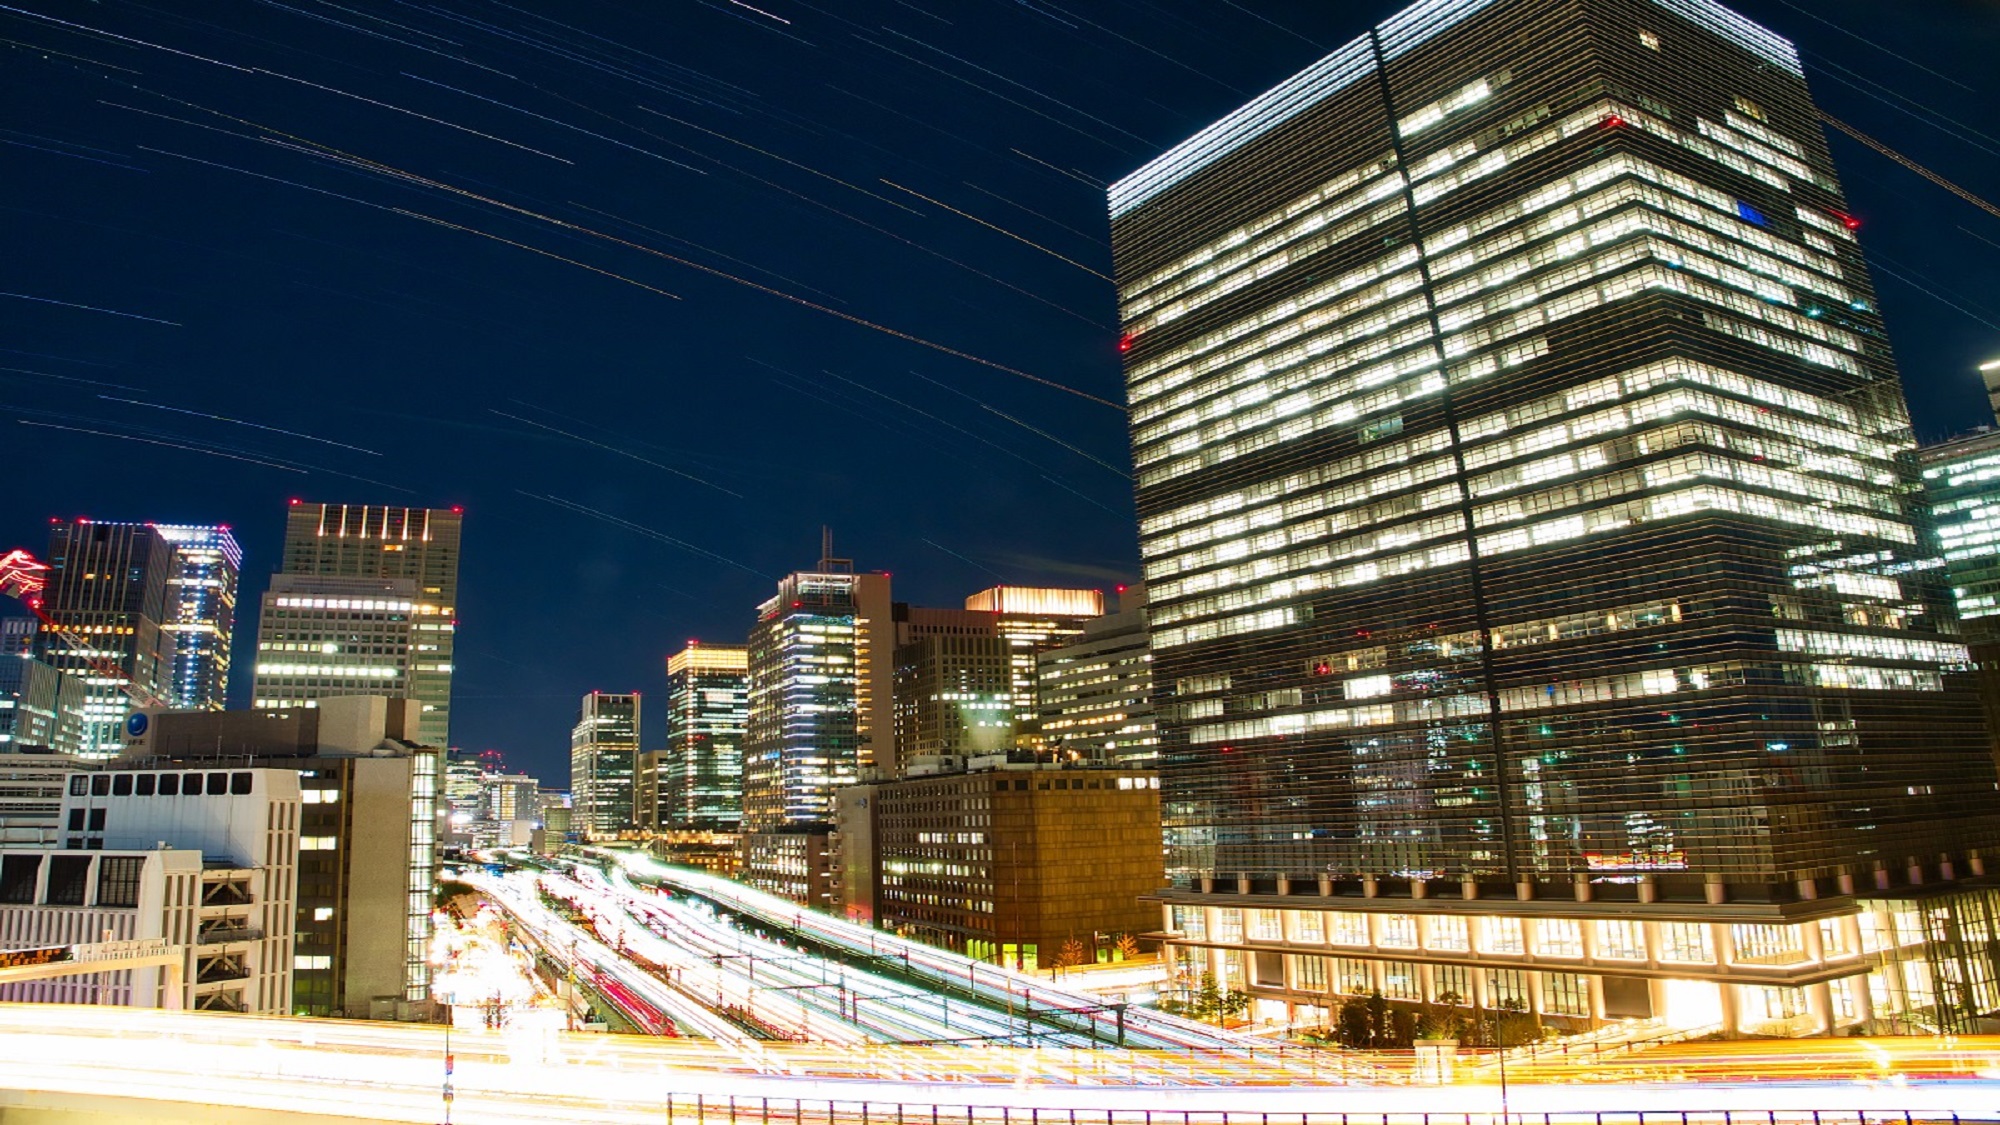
(108,605)
(700,783)
(201,612)
(1524,479)
(603,754)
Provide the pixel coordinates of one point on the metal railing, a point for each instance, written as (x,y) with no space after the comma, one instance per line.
(732,1110)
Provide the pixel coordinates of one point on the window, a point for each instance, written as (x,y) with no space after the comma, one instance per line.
(1447,933)
(1451,984)
(1308,926)
(239,784)
(1500,935)
(1565,994)
(1401,981)
(100,786)
(1308,973)
(1229,925)
(118,879)
(18,874)
(1685,941)
(1348,929)
(1832,937)
(317,843)
(1351,976)
(218,784)
(96,820)
(121,785)
(1507,989)
(1622,941)
(322,913)
(1398,931)
(67,876)
(170,785)
(1649,41)
(145,783)
(1767,945)
(76,820)
(1264,926)
(191,785)
(313,961)
(78,785)
(1559,937)
(1192,921)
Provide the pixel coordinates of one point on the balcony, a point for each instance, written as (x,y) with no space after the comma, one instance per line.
(220,933)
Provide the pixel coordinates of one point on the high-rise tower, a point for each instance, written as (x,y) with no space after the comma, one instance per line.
(700,780)
(366,557)
(201,612)
(108,602)
(603,753)
(1526,507)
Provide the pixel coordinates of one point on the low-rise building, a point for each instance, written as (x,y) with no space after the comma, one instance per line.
(1012,863)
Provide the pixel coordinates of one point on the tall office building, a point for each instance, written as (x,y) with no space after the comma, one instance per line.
(1096,692)
(1526,513)
(39,706)
(321,638)
(411,554)
(821,667)
(108,599)
(700,778)
(1962,483)
(201,612)
(954,698)
(603,754)
(1032,620)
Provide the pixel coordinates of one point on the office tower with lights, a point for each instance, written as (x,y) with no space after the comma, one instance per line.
(1095,693)
(1032,620)
(40,707)
(1962,484)
(821,667)
(108,598)
(603,753)
(321,637)
(201,612)
(410,554)
(1539,608)
(954,698)
(700,776)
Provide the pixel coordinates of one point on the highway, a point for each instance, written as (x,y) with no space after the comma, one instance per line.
(284,1069)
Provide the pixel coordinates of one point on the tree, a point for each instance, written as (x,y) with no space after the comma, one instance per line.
(1126,947)
(1352,1027)
(1071,954)
(1233,1006)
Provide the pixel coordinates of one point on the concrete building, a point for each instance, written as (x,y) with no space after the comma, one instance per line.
(380,554)
(17,636)
(1096,693)
(1537,608)
(699,778)
(367,844)
(32,782)
(603,756)
(820,712)
(107,596)
(201,861)
(954,697)
(325,638)
(1005,863)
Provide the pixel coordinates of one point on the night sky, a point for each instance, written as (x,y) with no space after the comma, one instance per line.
(558,263)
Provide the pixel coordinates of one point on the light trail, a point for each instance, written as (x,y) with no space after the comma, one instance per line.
(808,169)
(239,422)
(166,444)
(641,529)
(618,451)
(1003,230)
(92,308)
(555,122)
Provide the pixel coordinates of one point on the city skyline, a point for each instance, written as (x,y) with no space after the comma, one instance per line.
(412,336)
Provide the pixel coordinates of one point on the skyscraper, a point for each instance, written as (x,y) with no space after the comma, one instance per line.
(700,781)
(107,598)
(820,660)
(201,612)
(1096,692)
(603,753)
(385,544)
(320,638)
(1525,507)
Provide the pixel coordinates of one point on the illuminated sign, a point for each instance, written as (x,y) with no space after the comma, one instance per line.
(1675,860)
(29,958)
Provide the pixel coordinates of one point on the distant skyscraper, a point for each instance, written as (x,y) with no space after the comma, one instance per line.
(321,637)
(39,706)
(820,686)
(108,598)
(394,545)
(700,779)
(603,753)
(201,612)
(954,698)
(1524,487)
(17,636)
(1096,693)
(1032,620)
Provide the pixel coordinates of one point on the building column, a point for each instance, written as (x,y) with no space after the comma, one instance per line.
(1595,982)
(1732,1011)
(1819,1001)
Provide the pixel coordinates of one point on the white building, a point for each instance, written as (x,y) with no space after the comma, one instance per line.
(203,861)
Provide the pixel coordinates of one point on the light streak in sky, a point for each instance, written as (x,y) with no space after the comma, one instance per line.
(1002,230)
(239,422)
(1037,214)
(358,30)
(961,558)
(1020,86)
(92,308)
(167,444)
(636,225)
(641,529)
(1092,458)
(615,449)
(553,121)
(1079,177)
(72,155)
(761,12)
(1016,103)
(66,378)
(67,55)
(782,160)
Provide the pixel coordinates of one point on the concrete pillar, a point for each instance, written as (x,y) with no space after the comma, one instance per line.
(1713,891)
(1284,884)
(1583,890)
(1819,1001)
(1243,883)
(1325,886)
(1732,1011)
(1369,887)
(1596,984)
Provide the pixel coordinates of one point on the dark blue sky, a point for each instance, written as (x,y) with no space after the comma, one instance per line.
(282,181)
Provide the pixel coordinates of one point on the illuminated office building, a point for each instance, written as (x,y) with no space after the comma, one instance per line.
(820,661)
(1032,620)
(108,596)
(603,755)
(1538,608)
(201,612)
(954,697)
(1096,692)
(322,638)
(349,543)
(699,781)
(1962,483)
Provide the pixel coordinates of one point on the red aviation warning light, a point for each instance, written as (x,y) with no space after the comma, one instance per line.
(1125,343)
(1614,122)
(1846,220)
